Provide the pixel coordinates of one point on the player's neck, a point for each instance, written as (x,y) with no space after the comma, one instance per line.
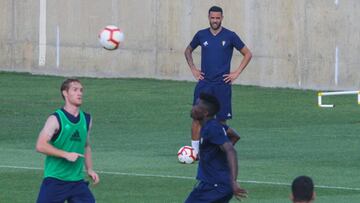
(215,32)
(205,120)
(72,109)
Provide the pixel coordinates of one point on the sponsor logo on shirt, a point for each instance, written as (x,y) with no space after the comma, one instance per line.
(223,43)
(75,136)
(205,43)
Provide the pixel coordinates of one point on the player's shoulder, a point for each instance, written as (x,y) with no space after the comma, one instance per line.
(213,124)
(213,129)
(203,31)
(53,121)
(53,117)
(87,116)
(228,31)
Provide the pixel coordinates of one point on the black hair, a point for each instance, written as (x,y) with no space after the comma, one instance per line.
(216,9)
(212,104)
(302,188)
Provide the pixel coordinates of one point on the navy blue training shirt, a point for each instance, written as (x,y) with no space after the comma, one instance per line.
(213,166)
(216,52)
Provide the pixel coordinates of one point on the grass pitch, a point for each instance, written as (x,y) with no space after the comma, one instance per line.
(139,124)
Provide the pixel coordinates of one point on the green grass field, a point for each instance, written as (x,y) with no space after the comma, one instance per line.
(139,124)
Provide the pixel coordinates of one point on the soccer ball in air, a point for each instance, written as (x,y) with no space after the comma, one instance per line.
(186,155)
(110,37)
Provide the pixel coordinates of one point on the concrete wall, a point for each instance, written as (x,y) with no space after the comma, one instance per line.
(294,42)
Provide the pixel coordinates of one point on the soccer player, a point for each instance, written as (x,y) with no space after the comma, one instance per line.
(214,77)
(218,166)
(302,190)
(64,140)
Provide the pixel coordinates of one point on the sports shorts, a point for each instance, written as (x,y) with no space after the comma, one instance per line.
(221,91)
(57,191)
(210,193)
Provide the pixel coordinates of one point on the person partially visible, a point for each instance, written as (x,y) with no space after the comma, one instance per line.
(215,76)
(218,165)
(302,190)
(65,141)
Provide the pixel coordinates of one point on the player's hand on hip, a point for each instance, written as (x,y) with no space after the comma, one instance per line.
(231,77)
(72,156)
(239,193)
(94,176)
(198,75)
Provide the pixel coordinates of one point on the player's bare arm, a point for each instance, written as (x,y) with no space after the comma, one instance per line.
(198,75)
(88,159)
(42,145)
(232,76)
(228,148)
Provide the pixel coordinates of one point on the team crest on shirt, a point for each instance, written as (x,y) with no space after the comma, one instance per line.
(201,140)
(205,43)
(223,43)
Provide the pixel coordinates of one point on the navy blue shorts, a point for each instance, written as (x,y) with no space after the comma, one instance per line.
(57,191)
(221,91)
(210,193)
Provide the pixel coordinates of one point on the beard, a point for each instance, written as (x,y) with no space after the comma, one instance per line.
(215,26)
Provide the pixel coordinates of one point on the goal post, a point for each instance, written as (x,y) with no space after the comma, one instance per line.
(321,94)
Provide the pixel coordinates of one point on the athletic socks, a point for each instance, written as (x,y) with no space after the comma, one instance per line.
(195,145)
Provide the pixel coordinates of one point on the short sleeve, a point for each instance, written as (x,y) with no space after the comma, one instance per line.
(195,42)
(226,127)
(237,42)
(218,135)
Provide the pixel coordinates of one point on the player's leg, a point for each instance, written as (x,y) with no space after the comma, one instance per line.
(81,193)
(223,94)
(201,87)
(52,190)
(195,135)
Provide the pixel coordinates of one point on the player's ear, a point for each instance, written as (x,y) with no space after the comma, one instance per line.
(291,197)
(313,196)
(64,93)
(206,113)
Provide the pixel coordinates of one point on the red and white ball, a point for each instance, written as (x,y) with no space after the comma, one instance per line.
(186,155)
(110,37)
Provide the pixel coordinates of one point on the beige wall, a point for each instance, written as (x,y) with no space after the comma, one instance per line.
(293,41)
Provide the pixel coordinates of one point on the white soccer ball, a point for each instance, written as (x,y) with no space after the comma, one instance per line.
(110,37)
(186,155)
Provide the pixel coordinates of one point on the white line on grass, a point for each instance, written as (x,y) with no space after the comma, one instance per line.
(186,177)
